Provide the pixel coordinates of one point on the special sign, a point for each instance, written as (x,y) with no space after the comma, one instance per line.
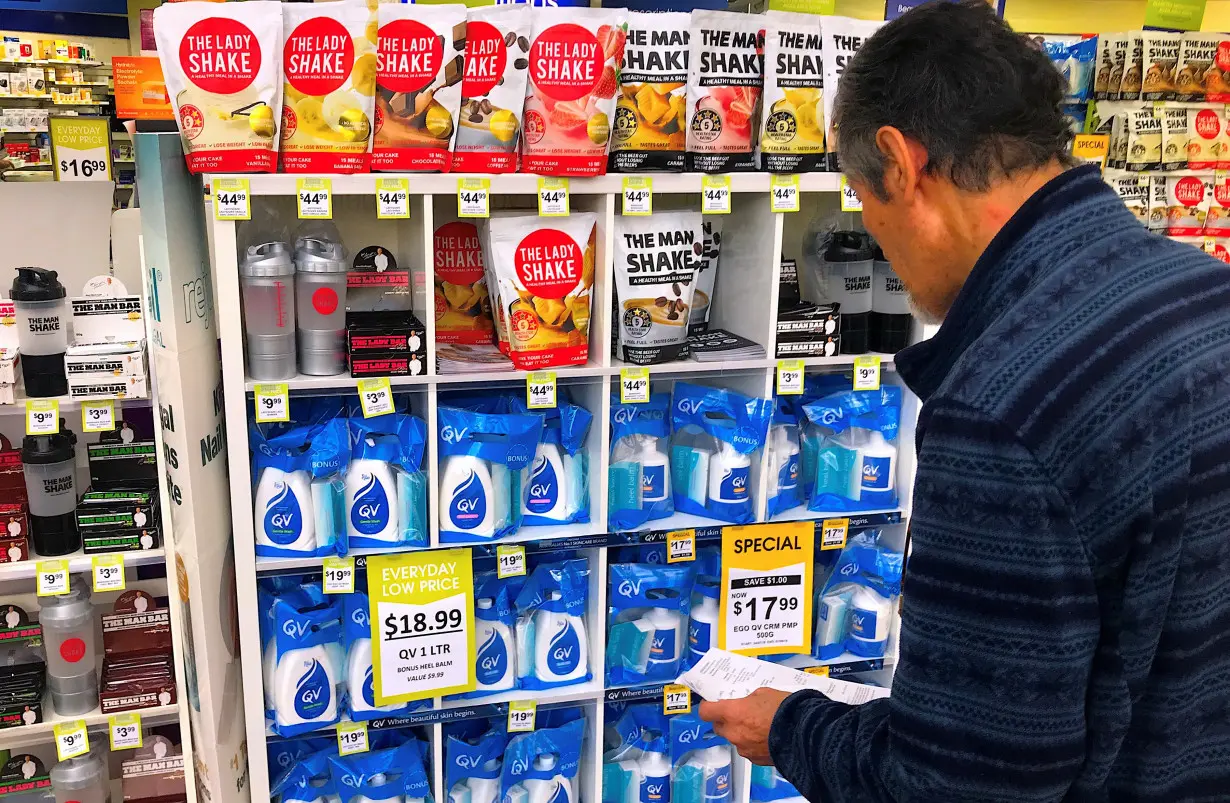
(767,576)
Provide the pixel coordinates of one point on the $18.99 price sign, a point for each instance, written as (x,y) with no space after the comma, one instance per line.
(767,588)
(422,619)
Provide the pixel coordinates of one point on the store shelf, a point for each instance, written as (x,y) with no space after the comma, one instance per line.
(79,103)
(22,130)
(53,62)
(80,562)
(81,83)
(25,97)
(42,732)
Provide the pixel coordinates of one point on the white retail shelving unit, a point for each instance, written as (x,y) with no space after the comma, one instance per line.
(745,300)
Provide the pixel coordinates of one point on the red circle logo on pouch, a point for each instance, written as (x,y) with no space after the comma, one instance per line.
(409,55)
(459,259)
(72,650)
(1219,251)
(191,121)
(1189,190)
(379,118)
(290,123)
(548,263)
(1222,193)
(566,61)
(486,57)
(324,300)
(318,56)
(523,325)
(1208,125)
(1222,59)
(441,306)
(220,55)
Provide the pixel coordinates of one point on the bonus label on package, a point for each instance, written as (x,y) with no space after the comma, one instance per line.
(418,85)
(329,61)
(725,73)
(842,38)
(574,74)
(650,111)
(223,69)
(463,309)
(493,90)
(792,135)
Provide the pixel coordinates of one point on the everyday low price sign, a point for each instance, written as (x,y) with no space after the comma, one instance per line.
(81,148)
(767,577)
(422,621)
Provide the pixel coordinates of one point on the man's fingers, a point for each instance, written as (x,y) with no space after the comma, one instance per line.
(712,711)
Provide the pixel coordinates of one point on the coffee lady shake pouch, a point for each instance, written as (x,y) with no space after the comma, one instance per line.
(329,64)
(418,85)
(1197,64)
(574,75)
(725,74)
(223,69)
(792,134)
(493,90)
(650,110)
(656,259)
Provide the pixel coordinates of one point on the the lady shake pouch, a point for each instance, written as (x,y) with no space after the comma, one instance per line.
(1187,204)
(725,75)
(650,116)
(574,76)
(463,308)
(493,90)
(418,84)
(1161,57)
(223,70)
(655,260)
(329,65)
(792,132)
(1204,138)
(1217,219)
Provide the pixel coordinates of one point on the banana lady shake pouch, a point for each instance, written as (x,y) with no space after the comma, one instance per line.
(725,73)
(330,68)
(650,108)
(223,69)
(493,90)
(418,85)
(792,134)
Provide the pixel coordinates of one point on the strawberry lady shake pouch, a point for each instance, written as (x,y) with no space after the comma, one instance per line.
(330,68)
(725,74)
(493,92)
(418,85)
(574,74)
(223,69)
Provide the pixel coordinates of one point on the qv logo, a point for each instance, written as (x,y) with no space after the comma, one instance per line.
(831,416)
(296,629)
(654,790)
(689,735)
(689,406)
(469,762)
(369,511)
(623,415)
(858,621)
(519,767)
(359,616)
(492,659)
(564,652)
(312,692)
(451,434)
(283,519)
(353,780)
(544,487)
(871,472)
(849,569)
(629,588)
(469,505)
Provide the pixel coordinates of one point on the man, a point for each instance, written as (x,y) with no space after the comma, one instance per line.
(1065,628)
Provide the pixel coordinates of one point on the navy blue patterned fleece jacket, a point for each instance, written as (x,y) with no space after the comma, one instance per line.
(1065,630)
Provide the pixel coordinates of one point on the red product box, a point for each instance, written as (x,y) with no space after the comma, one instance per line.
(12,478)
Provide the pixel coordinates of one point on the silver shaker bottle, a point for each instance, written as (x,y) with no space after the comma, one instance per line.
(68,636)
(320,289)
(267,287)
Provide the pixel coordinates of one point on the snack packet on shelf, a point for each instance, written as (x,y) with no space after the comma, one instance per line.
(650,108)
(792,133)
(725,75)
(463,309)
(493,89)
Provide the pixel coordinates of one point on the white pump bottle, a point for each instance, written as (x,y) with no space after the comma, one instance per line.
(283,510)
(467,499)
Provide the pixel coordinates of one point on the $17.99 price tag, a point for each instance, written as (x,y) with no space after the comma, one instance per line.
(680,546)
(766,588)
(72,740)
(676,699)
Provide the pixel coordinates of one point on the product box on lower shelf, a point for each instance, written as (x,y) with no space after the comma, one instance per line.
(92,387)
(23,668)
(809,330)
(8,365)
(116,464)
(155,773)
(137,668)
(110,359)
(385,344)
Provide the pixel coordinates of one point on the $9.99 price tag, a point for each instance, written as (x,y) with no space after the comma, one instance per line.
(51,578)
(521,716)
(71,739)
(867,372)
(766,588)
(272,402)
(42,416)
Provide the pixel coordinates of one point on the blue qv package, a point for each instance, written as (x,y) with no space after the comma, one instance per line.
(701,762)
(482,460)
(649,607)
(302,633)
(785,458)
(768,786)
(307,780)
(855,609)
(637,767)
(542,766)
(395,775)
(495,620)
(386,489)
(473,760)
(716,432)
(557,489)
(639,478)
(552,641)
(856,462)
(358,675)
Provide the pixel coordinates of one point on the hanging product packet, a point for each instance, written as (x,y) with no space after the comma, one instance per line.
(329,66)
(307,780)
(857,461)
(1132,69)
(656,259)
(573,77)
(1175,137)
(1217,219)
(725,75)
(542,766)
(473,759)
(462,305)
(1104,67)
(552,641)
(855,609)
(358,674)
(1187,205)
(1206,140)
(639,477)
(386,488)
(1196,73)
(792,132)
(843,37)
(650,110)
(1161,57)
(636,768)
(701,762)
(493,89)
(301,662)
(223,71)
(396,774)
(418,85)
(785,483)
(557,489)
(495,619)
(647,622)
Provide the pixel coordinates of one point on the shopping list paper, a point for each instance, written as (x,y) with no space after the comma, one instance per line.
(721,675)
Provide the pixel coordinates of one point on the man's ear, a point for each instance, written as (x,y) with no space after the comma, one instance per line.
(904,160)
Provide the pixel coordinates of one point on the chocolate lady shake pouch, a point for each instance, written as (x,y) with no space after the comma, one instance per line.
(493,90)
(1161,57)
(1197,57)
(574,75)
(650,110)
(792,135)
(329,65)
(418,85)
(843,37)
(725,75)
(223,69)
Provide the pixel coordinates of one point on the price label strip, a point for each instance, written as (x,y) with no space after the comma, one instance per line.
(867,373)
(338,575)
(766,588)
(51,578)
(352,738)
(676,699)
(72,740)
(540,390)
(473,197)
(42,416)
(633,385)
(422,622)
(232,199)
(315,198)
(392,198)
(510,561)
(375,396)
(108,572)
(553,197)
(125,731)
(638,195)
(98,416)
(789,377)
(715,195)
(849,198)
(521,716)
(680,546)
(784,193)
(272,402)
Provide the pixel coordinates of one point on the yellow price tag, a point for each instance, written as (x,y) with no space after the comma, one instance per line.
(833,534)
(676,699)
(680,546)
(51,578)
(124,731)
(72,740)
(98,416)
(232,199)
(108,572)
(867,372)
(521,716)
(315,198)
(540,390)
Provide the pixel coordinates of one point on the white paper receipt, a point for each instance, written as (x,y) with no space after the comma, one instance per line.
(722,675)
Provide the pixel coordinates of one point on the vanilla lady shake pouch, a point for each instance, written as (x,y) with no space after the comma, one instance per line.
(725,75)
(223,69)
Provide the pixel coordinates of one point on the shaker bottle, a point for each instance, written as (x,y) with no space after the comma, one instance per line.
(42,330)
(51,491)
(846,271)
(68,636)
(267,286)
(320,290)
(890,308)
(81,780)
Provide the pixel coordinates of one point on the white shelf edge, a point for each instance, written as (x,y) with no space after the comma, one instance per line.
(42,732)
(80,562)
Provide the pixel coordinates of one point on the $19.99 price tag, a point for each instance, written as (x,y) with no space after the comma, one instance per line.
(352,738)
(72,740)
(521,716)
(510,561)
(767,574)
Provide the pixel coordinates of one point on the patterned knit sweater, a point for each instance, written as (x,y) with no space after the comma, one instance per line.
(1065,630)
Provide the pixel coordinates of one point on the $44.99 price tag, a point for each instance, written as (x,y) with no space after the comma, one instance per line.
(315,198)
(51,578)
(676,699)
(849,198)
(272,402)
(338,575)
(352,738)
(42,416)
(867,373)
(125,731)
(473,197)
(715,195)
(784,193)
(375,396)
(638,195)
(392,198)
(71,739)
(510,561)
(633,385)
(553,197)
(521,716)
(98,416)
(766,588)
(540,390)
(108,572)
(232,199)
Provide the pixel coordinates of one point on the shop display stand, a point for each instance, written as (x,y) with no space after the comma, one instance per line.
(744,301)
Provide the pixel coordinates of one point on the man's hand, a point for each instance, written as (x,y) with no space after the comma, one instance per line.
(745,722)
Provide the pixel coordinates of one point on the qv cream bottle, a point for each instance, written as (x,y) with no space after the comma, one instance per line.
(654,776)
(877,463)
(665,637)
(784,460)
(485,790)
(284,511)
(371,492)
(304,687)
(467,500)
(496,658)
(870,617)
(832,615)
(360,679)
(655,471)
(729,475)
(560,644)
(702,623)
(546,492)
(556,789)
(715,766)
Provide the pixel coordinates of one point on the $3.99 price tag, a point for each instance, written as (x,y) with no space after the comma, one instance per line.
(271,402)
(510,561)
(638,195)
(108,572)
(98,416)
(315,198)
(633,385)
(392,198)
(540,390)
(72,740)
(473,197)
(42,416)
(352,738)
(789,377)
(375,396)
(51,578)
(553,197)
(338,575)
(715,195)
(766,588)
(232,199)
(676,699)
(124,731)
(784,193)
(521,716)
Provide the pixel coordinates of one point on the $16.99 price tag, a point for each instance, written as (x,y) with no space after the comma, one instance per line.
(766,588)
